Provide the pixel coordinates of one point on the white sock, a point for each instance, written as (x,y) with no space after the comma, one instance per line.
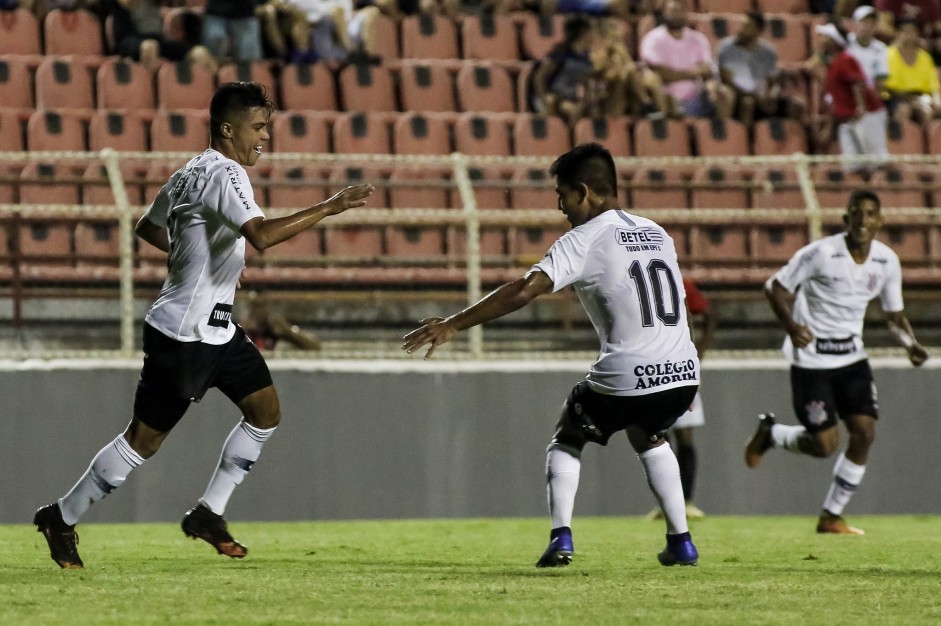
(846,478)
(107,472)
(562,469)
(242,448)
(663,476)
(786,436)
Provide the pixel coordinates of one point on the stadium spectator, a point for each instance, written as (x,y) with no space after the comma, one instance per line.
(834,279)
(341,30)
(871,54)
(749,66)
(647,373)
(624,87)
(285,32)
(914,91)
(202,218)
(857,111)
(562,80)
(232,30)
(267,329)
(926,13)
(683,59)
(138,34)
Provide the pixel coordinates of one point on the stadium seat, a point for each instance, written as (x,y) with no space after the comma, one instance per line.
(905,137)
(724,243)
(429,37)
(16,84)
(414,241)
(612,133)
(901,186)
(366,88)
(658,188)
(532,242)
(789,35)
(96,189)
(11,131)
(539,34)
(934,137)
(256,71)
(361,133)
(55,130)
(778,188)
(121,130)
(910,241)
(661,138)
(300,131)
(490,192)
(482,135)
(489,37)
(717,26)
(179,131)
(74,31)
(296,185)
(833,185)
(537,135)
(387,37)
(426,87)
(532,188)
(19,32)
(49,183)
(415,133)
(184,86)
(777,242)
(122,84)
(357,243)
(784,6)
(720,187)
(723,6)
(97,242)
(716,137)
(308,86)
(48,240)
(485,87)
(779,136)
(63,84)
(297,250)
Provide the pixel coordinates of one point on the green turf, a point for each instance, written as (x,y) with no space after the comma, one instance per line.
(754,570)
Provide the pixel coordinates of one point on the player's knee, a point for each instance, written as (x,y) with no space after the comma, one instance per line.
(143,439)
(824,444)
(863,438)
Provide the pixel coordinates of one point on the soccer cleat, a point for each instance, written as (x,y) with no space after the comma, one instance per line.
(836,525)
(560,550)
(61,537)
(201,523)
(679,551)
(761,441)
(654,515)
(694,512)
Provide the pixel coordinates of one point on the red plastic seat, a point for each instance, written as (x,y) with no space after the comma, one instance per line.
(55,130)
(717,26)
(833,185)
(46,240)
(11,131)
(777,242)
(306,86)
(74,31)
(490,192)
(490,37)
(485,87)
(387,37)
(361,133)
(97,242)
(255,71)
(19,32)
(414,133)
(296,185)
(660,138)
(179,131)
(720,187)
(124,85)
(63,84)
(184,86)
(902,187)
(906,137)
(539,34)
(16,84)
(300,131)
(121,130)
(719,242)
(96,188)
(724,6)
(536,135)
(482,134)
(429,37)
(778,188)
(532,188)
(366,88)
(779,136)
(612,133)
(716,137)
(658,188)
(427,87)
(789,34)
(911,242)
(414,240)
(48,183)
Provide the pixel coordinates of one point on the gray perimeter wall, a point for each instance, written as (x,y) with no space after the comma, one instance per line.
(432,442)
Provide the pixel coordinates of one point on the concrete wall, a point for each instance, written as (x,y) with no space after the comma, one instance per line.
(413,439)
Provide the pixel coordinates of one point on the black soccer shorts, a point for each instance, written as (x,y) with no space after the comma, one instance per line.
(600,415)
(176,373)
(821,397)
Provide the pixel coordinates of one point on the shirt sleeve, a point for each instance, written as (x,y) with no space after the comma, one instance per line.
(650,49)
(234,196)
(891,295)
(848,69)
(565,262)
(801,267)
(159,208)
(695,300)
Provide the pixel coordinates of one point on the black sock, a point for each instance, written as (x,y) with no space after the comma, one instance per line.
(686,457)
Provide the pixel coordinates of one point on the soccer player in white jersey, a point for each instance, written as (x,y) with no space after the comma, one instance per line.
(202,218)
(624,270)
(834,279)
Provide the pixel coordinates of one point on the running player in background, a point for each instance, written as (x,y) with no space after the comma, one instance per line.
(626,276)
(202,218)
(834,279)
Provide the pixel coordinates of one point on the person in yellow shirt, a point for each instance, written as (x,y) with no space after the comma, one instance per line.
(914,90)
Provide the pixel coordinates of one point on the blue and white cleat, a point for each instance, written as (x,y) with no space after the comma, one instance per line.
(560,550)
(679,551)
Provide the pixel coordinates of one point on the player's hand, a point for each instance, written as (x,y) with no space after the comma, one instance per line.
(349,198)
(917,354)
(800,335)
(434,330)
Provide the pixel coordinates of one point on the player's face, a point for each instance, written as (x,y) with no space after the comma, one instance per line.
(249,134)
(863,221)
(574,203)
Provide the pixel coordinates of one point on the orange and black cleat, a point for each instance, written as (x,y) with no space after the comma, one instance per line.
(202,523)
(61,537)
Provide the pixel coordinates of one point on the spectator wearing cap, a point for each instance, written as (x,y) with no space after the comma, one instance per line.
(869,52)
(749,66)
(682,57)
(913,86)
(857,111)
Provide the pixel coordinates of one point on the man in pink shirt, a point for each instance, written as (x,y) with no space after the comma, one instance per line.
(683,59)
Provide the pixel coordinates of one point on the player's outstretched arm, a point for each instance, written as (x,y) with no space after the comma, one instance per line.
(153,234)
(901,328)
(780,300)
(503,300)
(263,233)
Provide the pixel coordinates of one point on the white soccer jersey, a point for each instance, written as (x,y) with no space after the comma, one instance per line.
(202,206)
(626,276)
(833,296)
(873,59)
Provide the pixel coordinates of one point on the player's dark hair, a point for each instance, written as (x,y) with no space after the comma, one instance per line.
(234,98)
(590,164)
(862,195)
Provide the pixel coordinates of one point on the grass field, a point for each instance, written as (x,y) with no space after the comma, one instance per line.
(754,570)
